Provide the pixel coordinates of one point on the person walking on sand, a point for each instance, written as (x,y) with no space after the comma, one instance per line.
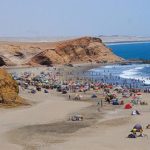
(98,104)
(69,97)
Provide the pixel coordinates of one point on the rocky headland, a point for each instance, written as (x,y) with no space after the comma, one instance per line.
(81,50)
(9,90)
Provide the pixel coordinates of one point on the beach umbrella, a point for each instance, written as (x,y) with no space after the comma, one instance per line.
(128,106)
(137,127)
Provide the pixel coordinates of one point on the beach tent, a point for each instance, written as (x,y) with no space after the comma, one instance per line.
(135,112)
(128,106)
(138,93)
(94,96)
(110,86)
(131,135)
(118,88)
(138,127)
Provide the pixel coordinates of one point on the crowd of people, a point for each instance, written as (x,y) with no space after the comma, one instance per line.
(54,80)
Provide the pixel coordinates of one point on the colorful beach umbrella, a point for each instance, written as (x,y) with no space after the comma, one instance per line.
(137,127)
(128,106)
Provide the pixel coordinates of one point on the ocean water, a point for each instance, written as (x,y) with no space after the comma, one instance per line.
(135,75)
(131,50)
(118,73)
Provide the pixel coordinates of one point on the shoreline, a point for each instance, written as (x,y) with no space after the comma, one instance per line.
(126,42)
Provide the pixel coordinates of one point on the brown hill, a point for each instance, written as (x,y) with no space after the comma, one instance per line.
(46,53)
(18,53)
(8,89)
(76,51)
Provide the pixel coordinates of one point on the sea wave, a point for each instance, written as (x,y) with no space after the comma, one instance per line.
(135,73)
(108,66)
(129,73)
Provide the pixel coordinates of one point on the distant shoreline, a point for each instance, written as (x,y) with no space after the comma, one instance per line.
(125,42)
(105,39)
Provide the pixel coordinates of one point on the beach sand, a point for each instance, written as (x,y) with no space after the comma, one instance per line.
(48,109)
(106,130)
(44,125)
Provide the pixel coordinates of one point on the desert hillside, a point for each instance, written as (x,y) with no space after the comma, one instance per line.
(8,88)
(18,53)
(47,53)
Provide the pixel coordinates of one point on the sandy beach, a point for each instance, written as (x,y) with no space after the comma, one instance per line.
(49,109)
(44,124)
(75,75)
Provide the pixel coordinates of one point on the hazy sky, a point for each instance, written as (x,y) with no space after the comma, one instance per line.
(74,17)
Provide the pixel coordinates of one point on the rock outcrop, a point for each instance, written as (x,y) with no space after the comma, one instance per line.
(2,62)
(8,89)
(63,52)
(5,62)
(17,53)
(80,50)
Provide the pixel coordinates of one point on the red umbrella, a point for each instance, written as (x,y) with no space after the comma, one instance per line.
(128,106)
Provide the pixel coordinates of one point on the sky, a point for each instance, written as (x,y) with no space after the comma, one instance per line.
(61,18)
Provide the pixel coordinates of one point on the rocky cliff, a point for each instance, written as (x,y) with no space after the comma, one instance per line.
(8,89)
(80,50)
(47,53)
(17,53)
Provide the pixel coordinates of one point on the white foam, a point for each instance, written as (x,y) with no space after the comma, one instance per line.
(106,67)
(127,71)
(109,66)
(133,73)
